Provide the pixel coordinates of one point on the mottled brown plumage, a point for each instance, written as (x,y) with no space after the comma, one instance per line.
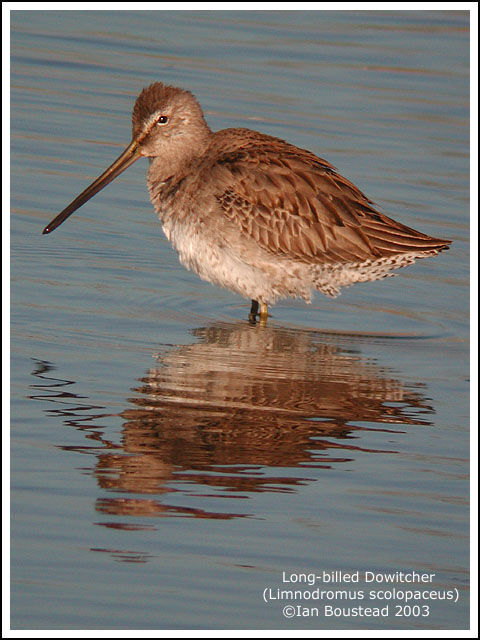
(254,213)
(293,203)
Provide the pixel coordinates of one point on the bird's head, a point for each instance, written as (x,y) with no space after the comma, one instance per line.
(167,124)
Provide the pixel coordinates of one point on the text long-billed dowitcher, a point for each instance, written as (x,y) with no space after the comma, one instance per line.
(254,213)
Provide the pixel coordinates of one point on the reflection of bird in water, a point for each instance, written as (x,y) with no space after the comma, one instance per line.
(229,410)
(253,213)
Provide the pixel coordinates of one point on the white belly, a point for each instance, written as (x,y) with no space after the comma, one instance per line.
(248,270)
(219,264)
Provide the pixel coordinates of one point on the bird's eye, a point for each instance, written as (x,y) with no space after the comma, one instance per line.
(162,120)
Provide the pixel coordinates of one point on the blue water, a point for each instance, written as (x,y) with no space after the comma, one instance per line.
(169,460)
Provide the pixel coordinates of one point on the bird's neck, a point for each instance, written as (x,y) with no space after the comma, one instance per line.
(167,171)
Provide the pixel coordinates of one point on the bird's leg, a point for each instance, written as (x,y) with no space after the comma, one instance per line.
(263,313)
(252,316)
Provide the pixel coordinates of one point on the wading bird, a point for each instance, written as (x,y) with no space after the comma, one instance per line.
(253,213)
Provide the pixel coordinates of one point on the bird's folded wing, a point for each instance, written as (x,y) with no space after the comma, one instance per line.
(295,204)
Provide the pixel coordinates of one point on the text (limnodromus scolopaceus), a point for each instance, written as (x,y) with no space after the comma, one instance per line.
(253,213)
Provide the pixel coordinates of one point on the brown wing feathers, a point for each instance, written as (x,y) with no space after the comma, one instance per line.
(294,203)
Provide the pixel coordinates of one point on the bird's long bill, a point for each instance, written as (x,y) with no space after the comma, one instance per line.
(128,157)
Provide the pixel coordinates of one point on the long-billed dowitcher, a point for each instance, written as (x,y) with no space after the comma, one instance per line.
(253,213)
